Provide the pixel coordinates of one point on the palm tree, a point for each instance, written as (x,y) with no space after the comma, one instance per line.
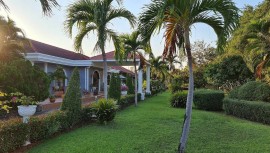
(172,59)
(256,45)
(178,16)
(132,45)
(95,16)
(12,40)
(45,4)
(159,68)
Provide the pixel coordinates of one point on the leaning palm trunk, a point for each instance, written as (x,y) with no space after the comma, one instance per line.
(136,88)
(105,70)
(187,118)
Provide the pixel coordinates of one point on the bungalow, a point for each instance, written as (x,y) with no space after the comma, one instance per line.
(48,57)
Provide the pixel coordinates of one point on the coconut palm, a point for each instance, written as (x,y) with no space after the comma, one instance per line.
(132,47)
(12,40)
(177,16)
(96,16)
(45,4)
(172,59)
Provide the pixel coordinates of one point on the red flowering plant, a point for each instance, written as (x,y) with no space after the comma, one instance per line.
(124,88)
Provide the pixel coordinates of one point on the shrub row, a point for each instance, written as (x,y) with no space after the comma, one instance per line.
(250,110)
(252,91)
(127,100)
(14,133)
(211,100)
(179,99)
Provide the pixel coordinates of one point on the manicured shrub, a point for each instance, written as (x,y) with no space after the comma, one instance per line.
(115,87)
(72,101)
(131,88)
(88,114)
(211,100)
(179,99)
(252,91)
(251,110)
(13,134)
(105,110)
(42,127)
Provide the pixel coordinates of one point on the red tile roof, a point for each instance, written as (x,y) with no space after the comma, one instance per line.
(109,56)
(122,69)
(39,47)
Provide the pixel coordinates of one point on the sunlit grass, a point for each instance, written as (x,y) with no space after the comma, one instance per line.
(155,127)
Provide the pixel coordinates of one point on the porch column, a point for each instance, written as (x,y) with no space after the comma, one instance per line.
(148,79)
(46,67)
(87,78)
(140,81)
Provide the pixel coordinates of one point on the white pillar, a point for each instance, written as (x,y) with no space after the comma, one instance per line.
(46,67)
(87,78)
(148,79)
(140,80)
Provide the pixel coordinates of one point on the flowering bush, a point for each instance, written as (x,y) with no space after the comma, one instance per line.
(124,88)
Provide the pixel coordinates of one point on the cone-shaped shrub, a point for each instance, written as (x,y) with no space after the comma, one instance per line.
(115,87)
(72,101)
(131,89)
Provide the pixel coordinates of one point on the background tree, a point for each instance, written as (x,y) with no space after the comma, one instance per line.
(251,39)
(95,16)
(178,17)
(19,75)
(12,40)
(132,47)
(229,69)
(46,5)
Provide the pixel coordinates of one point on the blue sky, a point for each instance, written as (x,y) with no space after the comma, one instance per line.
(28,16)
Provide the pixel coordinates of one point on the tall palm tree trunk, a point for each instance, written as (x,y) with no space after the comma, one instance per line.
(136,88)
(187,118)
(105,71)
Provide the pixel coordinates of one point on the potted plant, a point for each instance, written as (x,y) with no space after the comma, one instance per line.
(124,89)
(27,105)
(52,98)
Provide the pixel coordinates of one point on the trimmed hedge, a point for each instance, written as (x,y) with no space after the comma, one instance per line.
(252,91)
(179,99)
(211,100)
(128,100)
(13,134)
(251,110)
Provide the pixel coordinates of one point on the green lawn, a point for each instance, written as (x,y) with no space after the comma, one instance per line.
(155,127)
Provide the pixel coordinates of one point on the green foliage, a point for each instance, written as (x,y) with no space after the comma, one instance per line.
(19,75)
(131,88)
(128,100)
(208,99)
(176,84)
(72,101)
(251,110)
(231,68)
(252,91)
(115,87)
(179,99)
(251,38)
(13,134)
(105,110)
(88,114)
(157,87)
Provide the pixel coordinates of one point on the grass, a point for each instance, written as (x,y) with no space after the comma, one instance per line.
(155,127)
